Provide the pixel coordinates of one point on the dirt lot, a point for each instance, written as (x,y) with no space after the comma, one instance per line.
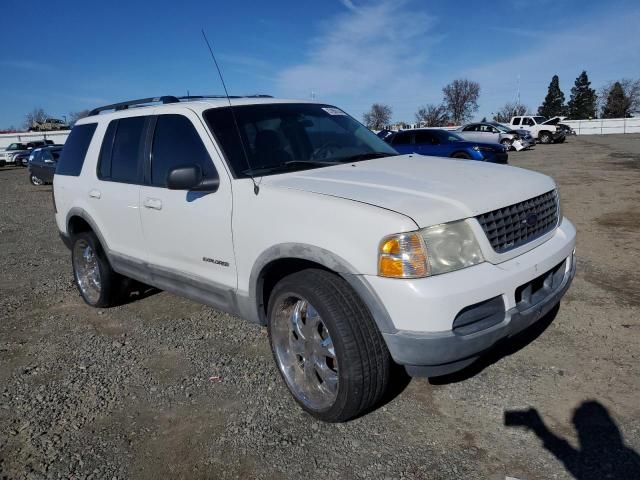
(165,388)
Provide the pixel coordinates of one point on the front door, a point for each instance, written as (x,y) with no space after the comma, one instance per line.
(187,233)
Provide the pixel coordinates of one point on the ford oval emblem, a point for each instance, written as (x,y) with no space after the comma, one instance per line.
(530,220)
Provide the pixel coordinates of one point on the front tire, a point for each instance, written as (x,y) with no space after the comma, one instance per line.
(99,285)
(327,347)
(545,137)
(461,155)
(506,144)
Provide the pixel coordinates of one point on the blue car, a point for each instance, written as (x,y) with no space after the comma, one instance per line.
(443,143)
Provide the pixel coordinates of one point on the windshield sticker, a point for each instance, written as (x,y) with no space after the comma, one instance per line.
(333,111)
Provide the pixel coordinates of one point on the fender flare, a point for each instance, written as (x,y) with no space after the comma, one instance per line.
(327,259)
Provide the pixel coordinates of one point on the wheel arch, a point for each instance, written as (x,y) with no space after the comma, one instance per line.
(78,220)
(281,260)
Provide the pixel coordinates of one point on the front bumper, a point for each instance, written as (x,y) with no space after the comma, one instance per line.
(425,311)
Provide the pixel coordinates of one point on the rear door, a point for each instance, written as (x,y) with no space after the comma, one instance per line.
(114,195)
(471,133)
(428,143)
(187,233)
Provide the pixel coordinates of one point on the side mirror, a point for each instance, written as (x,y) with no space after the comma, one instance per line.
(190,178)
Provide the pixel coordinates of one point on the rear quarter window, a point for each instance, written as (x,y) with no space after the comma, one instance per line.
(75,150)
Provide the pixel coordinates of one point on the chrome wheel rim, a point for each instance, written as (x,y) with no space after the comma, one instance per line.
(87,271)
(36,181)
(305,353)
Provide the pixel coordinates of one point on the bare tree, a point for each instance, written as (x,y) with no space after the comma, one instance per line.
(75,116)
(378,117)
(510,109)
(432,116)
(631,90)
(461,99)
(35,115)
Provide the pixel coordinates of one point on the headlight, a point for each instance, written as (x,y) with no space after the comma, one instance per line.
(430,251)
(478,148)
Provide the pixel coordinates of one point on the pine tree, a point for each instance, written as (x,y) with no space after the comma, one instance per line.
(582,104)
(553,104)
(618,103)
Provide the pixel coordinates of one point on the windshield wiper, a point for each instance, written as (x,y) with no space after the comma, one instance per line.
(290,165)
(367,156)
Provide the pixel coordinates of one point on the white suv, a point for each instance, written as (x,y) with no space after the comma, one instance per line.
(293,215)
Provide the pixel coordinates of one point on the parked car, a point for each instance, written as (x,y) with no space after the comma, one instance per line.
(49,124)
(42,164)
(16,152)
(445,143)
(541,132)
(566,129)
(22,159)
(8,154)
(295,216)
(524,136)
(491,133)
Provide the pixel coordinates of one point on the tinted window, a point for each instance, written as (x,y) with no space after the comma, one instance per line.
(75,149)
(176,142)
(426,137)
(126,153)
(104,162)
(516,121)
(470,128)
(402,138)
(46,155)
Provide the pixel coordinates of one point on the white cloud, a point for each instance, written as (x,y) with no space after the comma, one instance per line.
(371,52)
(26,65)
(604,47)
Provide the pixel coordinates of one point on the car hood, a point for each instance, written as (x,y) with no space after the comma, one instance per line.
(430,190)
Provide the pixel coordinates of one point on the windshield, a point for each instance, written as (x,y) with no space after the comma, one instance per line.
(286,136)
(501,127)
(17,146)
(447,136)
(540,119)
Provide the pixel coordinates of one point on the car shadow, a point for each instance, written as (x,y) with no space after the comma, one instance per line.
(502,349)
(602,452)
(134,291)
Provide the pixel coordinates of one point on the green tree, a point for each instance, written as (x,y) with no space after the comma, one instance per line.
(617,105)
(553,104)
(582,103)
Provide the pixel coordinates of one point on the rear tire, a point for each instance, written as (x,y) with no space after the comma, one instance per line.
(328,349)
(35,180)
(99,285)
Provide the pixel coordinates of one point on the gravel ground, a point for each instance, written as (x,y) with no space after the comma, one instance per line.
(165,388)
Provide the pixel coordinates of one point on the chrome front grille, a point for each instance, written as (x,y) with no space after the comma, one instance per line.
(513,226)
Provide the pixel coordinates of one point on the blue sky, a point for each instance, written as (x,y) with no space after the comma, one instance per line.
(72,55)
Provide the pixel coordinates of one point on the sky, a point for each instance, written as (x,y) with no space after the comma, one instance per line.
(75,55)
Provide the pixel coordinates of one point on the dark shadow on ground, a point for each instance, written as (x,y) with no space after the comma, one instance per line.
(134,291)
(502,349)
(601,453)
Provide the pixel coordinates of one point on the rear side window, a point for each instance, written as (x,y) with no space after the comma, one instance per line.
(176,142)
(516,121)
(402,138)
(75,149)
(122,150)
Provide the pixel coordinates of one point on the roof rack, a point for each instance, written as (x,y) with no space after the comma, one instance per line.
(166,99)
(131,103)
(199,97)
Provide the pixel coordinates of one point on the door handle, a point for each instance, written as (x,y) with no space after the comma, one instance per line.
(154,203)
(95,193)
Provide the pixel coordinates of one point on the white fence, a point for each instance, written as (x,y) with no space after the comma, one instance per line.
(604,126)
(7,139)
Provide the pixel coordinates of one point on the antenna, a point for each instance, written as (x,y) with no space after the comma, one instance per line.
(256,187)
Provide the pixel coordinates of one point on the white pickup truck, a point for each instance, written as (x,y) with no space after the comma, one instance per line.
(293,215)
(543,133)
